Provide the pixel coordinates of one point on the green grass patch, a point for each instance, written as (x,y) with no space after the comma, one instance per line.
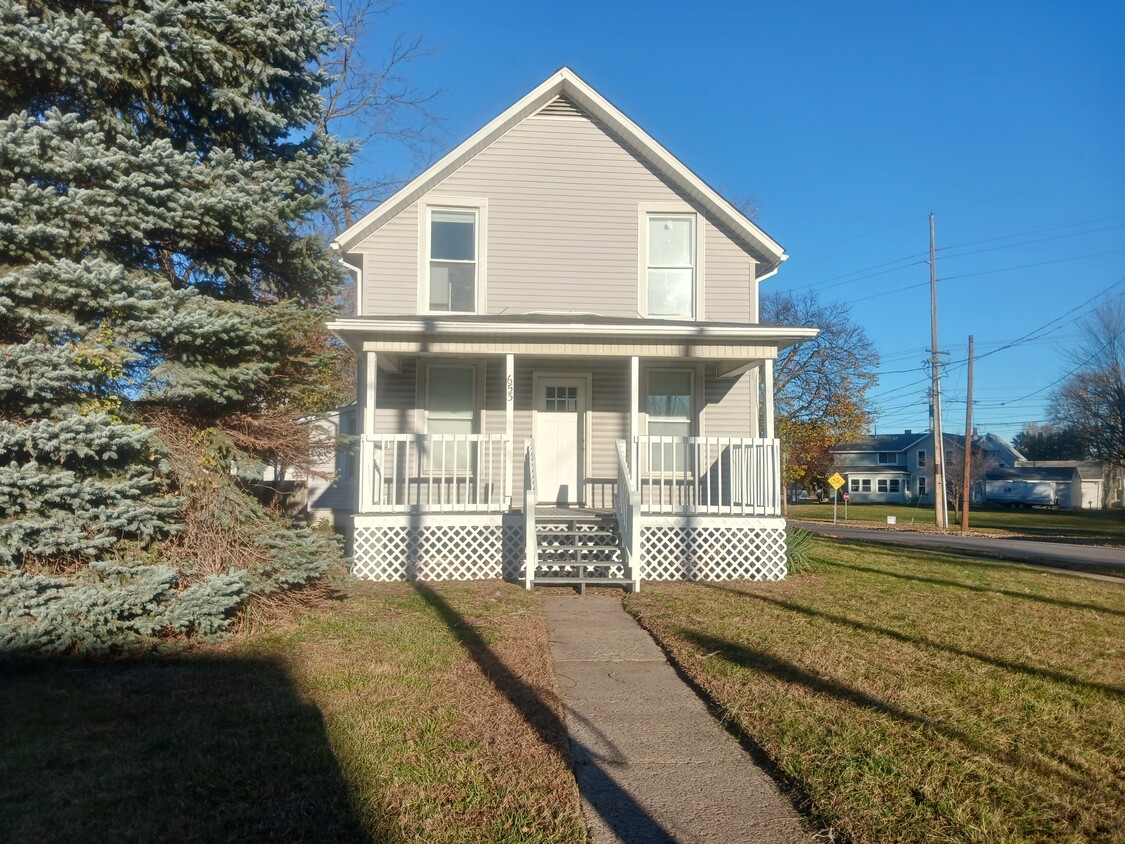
(1094,526)
(917,697)
(396,714)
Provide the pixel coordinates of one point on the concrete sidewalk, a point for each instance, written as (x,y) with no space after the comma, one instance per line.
(652,764)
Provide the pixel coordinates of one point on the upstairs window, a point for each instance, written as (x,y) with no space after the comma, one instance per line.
(453,260)
(671,267)
(922,459)
(888,457)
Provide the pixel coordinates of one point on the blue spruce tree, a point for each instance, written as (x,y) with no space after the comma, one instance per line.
(158,292)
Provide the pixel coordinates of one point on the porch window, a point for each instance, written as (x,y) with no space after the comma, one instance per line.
(894,485)
(855,484)
(450,409)
(671,265)
(669,408)
(453,260)
(882,484)
(865,485)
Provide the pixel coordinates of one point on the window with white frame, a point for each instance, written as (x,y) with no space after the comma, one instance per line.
(894,485)
(865,485)
(855,484)
(921,486)
(882,485)
(453,246)
(669,409)
(671,265)
(921,459)
(450,410)
(888,457)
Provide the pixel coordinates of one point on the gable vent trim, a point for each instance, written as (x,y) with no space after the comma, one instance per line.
(560,107)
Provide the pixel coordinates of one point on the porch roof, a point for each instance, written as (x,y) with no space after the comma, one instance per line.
(571,334)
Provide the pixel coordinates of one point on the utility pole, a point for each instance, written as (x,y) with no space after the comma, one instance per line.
(941,512)
(966,478)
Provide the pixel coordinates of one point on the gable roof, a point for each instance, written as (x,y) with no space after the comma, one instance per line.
(882,442)
(565,83)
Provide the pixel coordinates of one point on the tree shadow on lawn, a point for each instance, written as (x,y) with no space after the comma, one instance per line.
(789,672)
(616,807)
(202,748)
(1007,665)
(937,581)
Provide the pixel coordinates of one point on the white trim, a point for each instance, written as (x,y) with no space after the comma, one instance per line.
(479,207)
(671,208)
(430,326)
(567,82)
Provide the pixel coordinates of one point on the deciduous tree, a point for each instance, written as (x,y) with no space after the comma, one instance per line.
(820,386)
(1091,401)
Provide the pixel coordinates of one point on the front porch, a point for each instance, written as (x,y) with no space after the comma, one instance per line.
(665,431)
(685,508)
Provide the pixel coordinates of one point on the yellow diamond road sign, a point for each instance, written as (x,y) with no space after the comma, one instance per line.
(836,481)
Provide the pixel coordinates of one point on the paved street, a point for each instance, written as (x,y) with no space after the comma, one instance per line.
(1060,554)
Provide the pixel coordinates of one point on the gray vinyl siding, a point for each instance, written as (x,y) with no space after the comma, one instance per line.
(395,400)
(729,407)
(563,200)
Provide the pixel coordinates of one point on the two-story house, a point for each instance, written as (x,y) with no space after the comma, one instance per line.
(561,369)
(898,468)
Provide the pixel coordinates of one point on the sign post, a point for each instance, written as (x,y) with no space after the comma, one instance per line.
(836,481)
(846,496)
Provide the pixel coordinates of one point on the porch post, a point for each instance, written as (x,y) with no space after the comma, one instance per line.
(367,374)
(767,370)
(756,391)
(634,415)
(509,423)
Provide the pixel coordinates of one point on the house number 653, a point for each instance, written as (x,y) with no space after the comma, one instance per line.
(511,388)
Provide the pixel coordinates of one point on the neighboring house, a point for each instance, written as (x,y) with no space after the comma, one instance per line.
(898,468)
(560,362)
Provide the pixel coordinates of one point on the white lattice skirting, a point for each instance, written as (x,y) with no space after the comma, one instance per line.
(713,549)
(481,549)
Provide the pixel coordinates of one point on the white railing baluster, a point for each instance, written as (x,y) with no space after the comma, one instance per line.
(719,475)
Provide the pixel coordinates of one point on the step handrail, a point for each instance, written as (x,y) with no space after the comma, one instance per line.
(628,505)
(530,498)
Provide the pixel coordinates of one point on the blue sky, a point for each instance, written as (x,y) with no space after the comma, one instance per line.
(847,124)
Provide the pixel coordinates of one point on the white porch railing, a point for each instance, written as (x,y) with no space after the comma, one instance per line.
(713,475)
(530,534)
(437,472)
(628,502)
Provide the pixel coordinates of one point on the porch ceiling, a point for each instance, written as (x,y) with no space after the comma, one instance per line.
(538,334)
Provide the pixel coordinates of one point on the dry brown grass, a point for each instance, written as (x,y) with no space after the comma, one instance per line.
(915,697)
(395,714)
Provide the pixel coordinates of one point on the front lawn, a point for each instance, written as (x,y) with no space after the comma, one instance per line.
(398,714)
(1095,526)
(916,697)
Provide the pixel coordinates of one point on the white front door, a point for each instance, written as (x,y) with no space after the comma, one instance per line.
(560,405)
